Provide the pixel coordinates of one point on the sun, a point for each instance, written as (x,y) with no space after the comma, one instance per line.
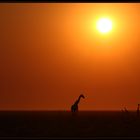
(104,25)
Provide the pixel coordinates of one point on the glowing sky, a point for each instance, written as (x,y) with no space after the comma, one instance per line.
(50,52)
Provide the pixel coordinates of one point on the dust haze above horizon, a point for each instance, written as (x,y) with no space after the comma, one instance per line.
(50,52)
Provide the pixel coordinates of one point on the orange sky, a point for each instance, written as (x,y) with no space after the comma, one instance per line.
(49,53)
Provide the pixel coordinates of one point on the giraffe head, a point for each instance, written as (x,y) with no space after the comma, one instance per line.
(82,96)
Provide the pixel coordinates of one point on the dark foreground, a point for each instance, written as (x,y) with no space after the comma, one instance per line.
(64,124)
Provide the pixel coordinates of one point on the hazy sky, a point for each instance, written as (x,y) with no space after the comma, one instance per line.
(50,52)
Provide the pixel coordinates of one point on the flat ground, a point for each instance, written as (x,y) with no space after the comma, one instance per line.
(64,124)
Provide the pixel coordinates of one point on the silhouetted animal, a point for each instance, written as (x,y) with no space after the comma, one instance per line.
(138,111)
(74,107)
(126,111)
(125,115)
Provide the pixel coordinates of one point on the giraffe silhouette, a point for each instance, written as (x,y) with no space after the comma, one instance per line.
(138,111)
(74,107)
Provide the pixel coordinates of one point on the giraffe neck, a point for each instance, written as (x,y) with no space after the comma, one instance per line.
(78,99)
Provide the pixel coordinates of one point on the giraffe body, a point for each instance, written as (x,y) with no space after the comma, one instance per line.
(74,107)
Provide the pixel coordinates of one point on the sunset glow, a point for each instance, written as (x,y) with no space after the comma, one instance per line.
(104,25)
(50,52)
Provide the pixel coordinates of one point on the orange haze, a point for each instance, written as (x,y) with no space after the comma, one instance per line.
(50,52)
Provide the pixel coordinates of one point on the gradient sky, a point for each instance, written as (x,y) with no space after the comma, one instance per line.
(50,52)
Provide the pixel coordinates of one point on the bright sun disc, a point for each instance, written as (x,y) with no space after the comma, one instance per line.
(104,25)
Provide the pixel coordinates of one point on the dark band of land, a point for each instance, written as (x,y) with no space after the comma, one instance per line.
(57,124)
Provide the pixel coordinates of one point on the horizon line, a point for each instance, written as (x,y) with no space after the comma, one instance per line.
(59,110)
